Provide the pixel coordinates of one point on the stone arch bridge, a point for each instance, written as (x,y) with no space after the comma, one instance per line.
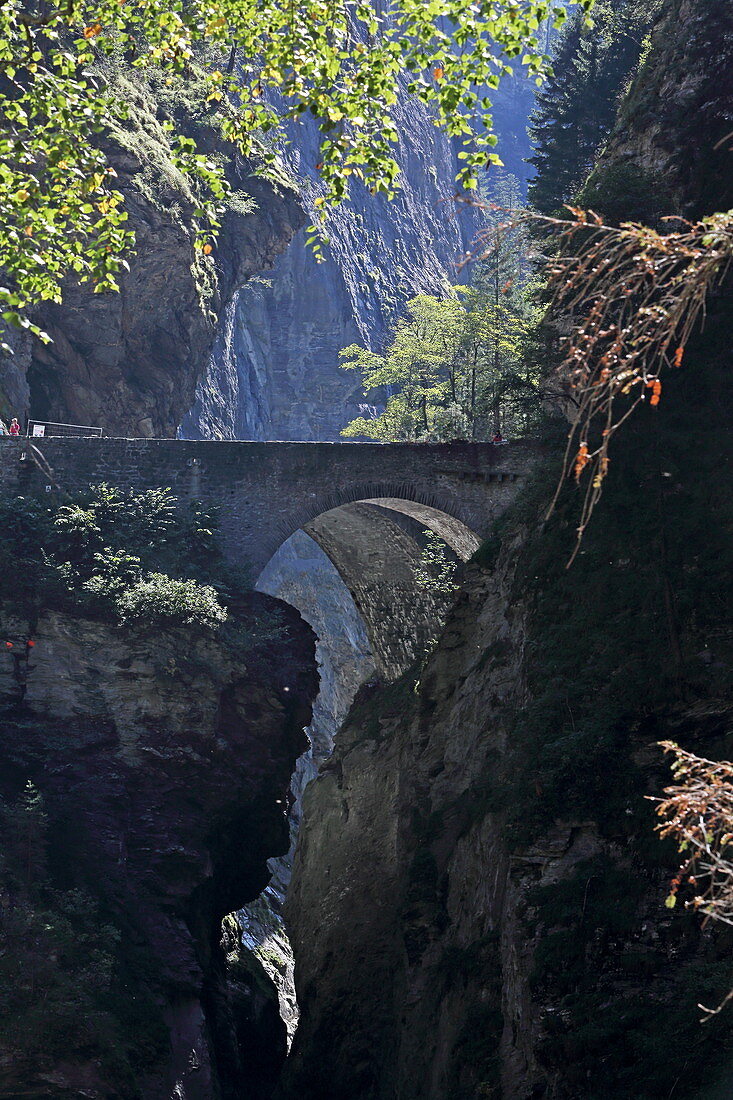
(366,504)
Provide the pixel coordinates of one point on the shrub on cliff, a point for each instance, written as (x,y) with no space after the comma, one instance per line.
(161,600)
(135,558)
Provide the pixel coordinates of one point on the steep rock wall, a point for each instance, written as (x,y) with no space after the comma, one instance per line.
(395,793)
(129,362)
(274,373)
(477,906)
(670,152)
(164,762)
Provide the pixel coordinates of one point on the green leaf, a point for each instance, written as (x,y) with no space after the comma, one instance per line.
(310,57)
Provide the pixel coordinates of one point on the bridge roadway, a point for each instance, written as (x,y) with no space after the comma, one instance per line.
(364,503)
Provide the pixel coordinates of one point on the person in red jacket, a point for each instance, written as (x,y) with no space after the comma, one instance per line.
(14,427)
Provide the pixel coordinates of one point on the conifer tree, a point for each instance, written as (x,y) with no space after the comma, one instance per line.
(577,107)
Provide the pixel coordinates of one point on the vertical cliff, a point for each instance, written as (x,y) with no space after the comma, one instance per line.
(163,759)
(670,151)
(129,362)
(477,906)
(274,372)
(260,354)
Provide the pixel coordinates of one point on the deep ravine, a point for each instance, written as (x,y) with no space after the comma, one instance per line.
(443,886)
(477,907)
(302,575)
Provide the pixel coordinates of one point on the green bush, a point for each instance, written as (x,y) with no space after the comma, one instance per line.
(130,557)
(159,599)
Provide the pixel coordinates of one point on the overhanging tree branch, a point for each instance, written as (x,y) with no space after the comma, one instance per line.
(632,297)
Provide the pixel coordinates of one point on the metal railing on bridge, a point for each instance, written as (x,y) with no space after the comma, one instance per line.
(44,428)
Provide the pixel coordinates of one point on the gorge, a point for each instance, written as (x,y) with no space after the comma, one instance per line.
(285,813)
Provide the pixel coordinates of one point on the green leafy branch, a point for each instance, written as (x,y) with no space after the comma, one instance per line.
(267,62)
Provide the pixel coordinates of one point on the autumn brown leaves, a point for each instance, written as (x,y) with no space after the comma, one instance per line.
(631,297)
(697,813)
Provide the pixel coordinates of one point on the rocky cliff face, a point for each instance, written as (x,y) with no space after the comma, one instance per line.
(129,362)
(477,906)
(274,372)
(164,763)
(401,764)
(275,369)
(670,151)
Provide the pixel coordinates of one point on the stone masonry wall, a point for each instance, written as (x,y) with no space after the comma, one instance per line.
(263,492)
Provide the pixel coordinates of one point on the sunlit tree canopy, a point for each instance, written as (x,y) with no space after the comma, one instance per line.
(260,63)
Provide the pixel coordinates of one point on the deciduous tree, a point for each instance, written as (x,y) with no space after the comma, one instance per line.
(262,62)
(456,367)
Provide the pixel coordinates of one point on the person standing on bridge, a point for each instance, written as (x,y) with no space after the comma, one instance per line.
(14,427)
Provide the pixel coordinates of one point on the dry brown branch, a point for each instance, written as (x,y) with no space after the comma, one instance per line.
(697,812)
(631,297)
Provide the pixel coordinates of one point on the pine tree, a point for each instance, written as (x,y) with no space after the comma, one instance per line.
(577,107)
(501,299)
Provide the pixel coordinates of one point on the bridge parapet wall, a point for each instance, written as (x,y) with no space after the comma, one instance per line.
(263,492)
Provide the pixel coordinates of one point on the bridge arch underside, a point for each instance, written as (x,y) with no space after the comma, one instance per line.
(461,520)
(376,545)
